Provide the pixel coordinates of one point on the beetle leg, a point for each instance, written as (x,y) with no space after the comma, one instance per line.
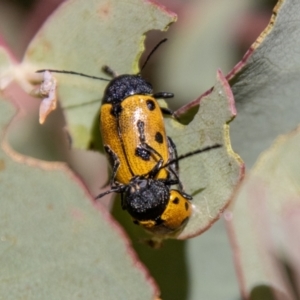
(163,95)
(174,168)
(155,169)
(115,163)
(123,205)
(109,71)
(167,111)
(173,154)
(149,150)
(177,178)
(141,129)
(114,189)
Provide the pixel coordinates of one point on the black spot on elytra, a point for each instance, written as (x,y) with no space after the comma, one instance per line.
(144,154)
(159,138)
(176,200)
(150,104)
(186,206)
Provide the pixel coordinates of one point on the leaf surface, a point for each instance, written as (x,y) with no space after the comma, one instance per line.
(210,177)
(55,244)
(264,220)
(83,36)
(265,84)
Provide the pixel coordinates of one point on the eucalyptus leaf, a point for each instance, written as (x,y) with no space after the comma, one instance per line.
(266,86)
(55,242)
(210,177)
(83,36)
(265,220)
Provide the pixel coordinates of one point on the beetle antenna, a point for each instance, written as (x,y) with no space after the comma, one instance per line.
(150,54)
(116,189)
(73,73)
(186,155)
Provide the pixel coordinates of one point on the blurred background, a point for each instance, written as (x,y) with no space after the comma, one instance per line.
(209,35)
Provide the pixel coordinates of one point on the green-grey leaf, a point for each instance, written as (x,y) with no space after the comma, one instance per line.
(54,243)
(265,219)
(83,36)
(209,177)
(266,87)
(197,47)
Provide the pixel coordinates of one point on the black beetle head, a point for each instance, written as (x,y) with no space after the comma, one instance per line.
(146,199)
(124,86)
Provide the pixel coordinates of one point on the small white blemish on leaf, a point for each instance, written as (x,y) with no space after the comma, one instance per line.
(48,91)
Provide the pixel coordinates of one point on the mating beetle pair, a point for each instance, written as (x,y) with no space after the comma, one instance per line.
(135,140)
(143,158)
